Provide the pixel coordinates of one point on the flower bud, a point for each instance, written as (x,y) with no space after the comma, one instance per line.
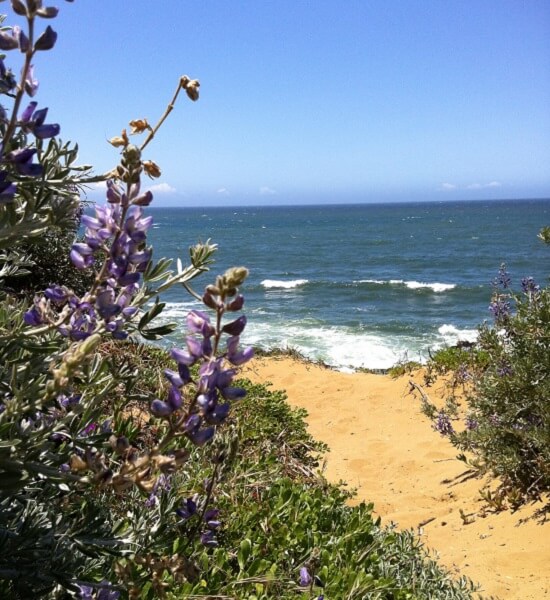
(235,276)
(90,344)
(131,154)
(192,90)
(119,141)
(19,8)
(139,126)
(151,168)
(47,40)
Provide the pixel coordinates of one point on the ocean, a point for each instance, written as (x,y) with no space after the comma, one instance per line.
(363,285)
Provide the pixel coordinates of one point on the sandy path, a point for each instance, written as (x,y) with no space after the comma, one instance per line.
(381,444)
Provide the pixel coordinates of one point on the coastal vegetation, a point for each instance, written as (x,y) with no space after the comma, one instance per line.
(128,471)
(504,419)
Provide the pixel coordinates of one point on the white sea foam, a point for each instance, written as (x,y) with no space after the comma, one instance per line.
(340,348)
(452,335)
(412,285)
(286,285)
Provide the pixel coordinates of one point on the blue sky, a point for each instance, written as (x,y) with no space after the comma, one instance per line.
(313,101)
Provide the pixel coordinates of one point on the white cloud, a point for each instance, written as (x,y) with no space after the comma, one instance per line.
(223,191)
(98,186)
(267,191)
(447,187)
(481,186)
(162,188)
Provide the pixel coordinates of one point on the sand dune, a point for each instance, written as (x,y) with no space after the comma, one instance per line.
(382,445)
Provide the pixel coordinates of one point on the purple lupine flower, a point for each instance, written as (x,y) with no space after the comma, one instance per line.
(85,592)
(31,84)
(22,162)
(529,285)
(7,189)
(208,539)
(193,430)
(443,424)
(500,309)
(211,518)
(82,256)
(33,317)
(89,429)
(199,322)
(305,577)
(504,370)
(471,423)
(57,294)
(160,408)
(8,41)
(236,327)
(187,509)
(46,40)
(32,120)
(503,279)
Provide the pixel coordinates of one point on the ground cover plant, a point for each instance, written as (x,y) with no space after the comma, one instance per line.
(117,478)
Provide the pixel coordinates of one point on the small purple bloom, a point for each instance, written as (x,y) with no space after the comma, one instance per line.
(503,278)
(235,327)
(199,322)
(160,408)
(187,510)
(443,424)
(46,40)
(500,309)
(7,189)
(8,41)
(471,423)
(33,317)
(208,539)
(31,84)
(182,357)
(529,285)
(305,577)
(57,294)
(504,370)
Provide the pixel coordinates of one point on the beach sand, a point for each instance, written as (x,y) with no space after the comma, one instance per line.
(382,445)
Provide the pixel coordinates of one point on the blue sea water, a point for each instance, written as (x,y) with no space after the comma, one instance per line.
(364,285)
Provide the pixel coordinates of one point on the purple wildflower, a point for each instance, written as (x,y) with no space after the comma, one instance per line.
(46,40)
(443,424)
(208,539)
(529,285)
(187,509)
(32,120)
(305,577)
(22,162)
(31,84)
(7,189)
(503,279)
(500,309)
(471,423)
(504,370)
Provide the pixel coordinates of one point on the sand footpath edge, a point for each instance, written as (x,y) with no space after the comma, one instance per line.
(382,445)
